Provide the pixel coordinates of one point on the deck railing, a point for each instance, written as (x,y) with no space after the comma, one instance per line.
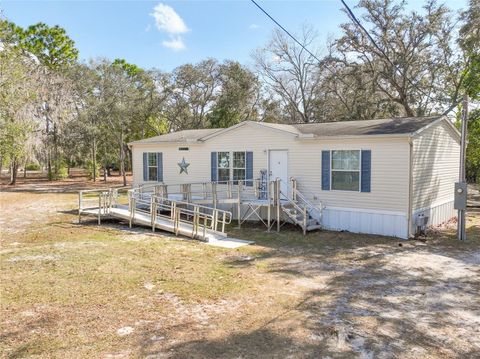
(209,191)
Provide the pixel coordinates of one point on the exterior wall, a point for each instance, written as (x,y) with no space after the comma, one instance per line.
(382,211)
(435,164)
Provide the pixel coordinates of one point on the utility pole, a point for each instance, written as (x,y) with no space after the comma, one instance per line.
(461,230)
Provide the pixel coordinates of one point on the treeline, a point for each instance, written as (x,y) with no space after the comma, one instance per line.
(59,112)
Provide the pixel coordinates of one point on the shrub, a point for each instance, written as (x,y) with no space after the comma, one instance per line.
(33,167)
(89,169)
(61,174)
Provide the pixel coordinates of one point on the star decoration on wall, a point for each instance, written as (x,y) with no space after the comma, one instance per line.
(184,166)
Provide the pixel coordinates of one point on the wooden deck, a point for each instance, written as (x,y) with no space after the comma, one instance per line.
(192,209)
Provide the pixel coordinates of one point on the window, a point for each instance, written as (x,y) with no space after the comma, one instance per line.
(183,148)
(152,166)
(239,166)
(231,165)
(223,166)
(346,170)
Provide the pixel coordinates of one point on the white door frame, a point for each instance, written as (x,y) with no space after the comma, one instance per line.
(268,168)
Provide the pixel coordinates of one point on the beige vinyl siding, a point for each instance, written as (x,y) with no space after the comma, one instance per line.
(198,170)
(390,164)
(435,163)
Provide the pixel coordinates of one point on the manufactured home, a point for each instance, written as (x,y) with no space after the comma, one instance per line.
(374,176)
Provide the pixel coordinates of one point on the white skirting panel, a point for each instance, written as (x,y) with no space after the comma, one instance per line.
(437,214)
(364,221)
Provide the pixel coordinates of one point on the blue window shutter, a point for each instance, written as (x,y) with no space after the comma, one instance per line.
(366,170)
(214,166)
(326,170)
(249,170)
(159,167)
(145,166)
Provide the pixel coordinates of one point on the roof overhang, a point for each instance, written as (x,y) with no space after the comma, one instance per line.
(436,122)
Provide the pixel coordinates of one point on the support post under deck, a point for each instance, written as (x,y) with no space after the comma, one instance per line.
(277,198)
(239,206)
(269,207)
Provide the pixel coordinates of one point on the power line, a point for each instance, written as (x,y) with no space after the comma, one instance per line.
(357,22)
(354,18)
(286,31)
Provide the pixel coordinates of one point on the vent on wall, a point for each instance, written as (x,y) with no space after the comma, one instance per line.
(183,148)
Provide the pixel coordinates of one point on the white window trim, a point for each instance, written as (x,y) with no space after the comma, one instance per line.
(148,167)
(359,171)
(231,167)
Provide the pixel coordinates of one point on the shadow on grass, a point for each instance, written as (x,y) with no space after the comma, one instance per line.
(363,296)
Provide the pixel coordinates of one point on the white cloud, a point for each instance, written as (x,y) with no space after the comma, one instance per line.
(168,20)
(253,26)
(148,28)
(176,44)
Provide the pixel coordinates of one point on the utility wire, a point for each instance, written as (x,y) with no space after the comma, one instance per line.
(286,31)
(354,18)
(357,22)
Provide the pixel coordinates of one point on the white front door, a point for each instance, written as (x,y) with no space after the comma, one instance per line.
(278,166)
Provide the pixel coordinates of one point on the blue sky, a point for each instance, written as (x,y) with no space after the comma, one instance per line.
(180,31)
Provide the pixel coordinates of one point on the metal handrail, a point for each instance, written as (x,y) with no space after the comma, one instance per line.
(104,195)
(180,212)
(308,205)
(299,195)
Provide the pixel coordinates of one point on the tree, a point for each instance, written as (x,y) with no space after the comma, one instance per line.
(415,67)
(193,93)
(238,96)
(290,73)
(469,41)
(57,52)
(51,45)
(346,93)
(18,89)
(473,150)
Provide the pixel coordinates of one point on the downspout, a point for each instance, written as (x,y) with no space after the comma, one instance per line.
(410,188)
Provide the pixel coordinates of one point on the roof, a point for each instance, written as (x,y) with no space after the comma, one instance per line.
(180,136)
(388,126)
(400,126)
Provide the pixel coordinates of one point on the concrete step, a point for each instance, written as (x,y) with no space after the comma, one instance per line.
(314,227)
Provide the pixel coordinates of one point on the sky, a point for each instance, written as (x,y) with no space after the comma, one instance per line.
(166,34)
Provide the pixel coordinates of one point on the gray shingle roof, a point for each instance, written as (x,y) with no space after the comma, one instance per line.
(388,126)
(180,136)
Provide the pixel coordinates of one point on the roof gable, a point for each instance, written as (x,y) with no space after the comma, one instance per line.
(262,125)
(450,127)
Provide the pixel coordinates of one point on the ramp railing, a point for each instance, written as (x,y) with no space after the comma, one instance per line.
(198,218)
(94,199)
